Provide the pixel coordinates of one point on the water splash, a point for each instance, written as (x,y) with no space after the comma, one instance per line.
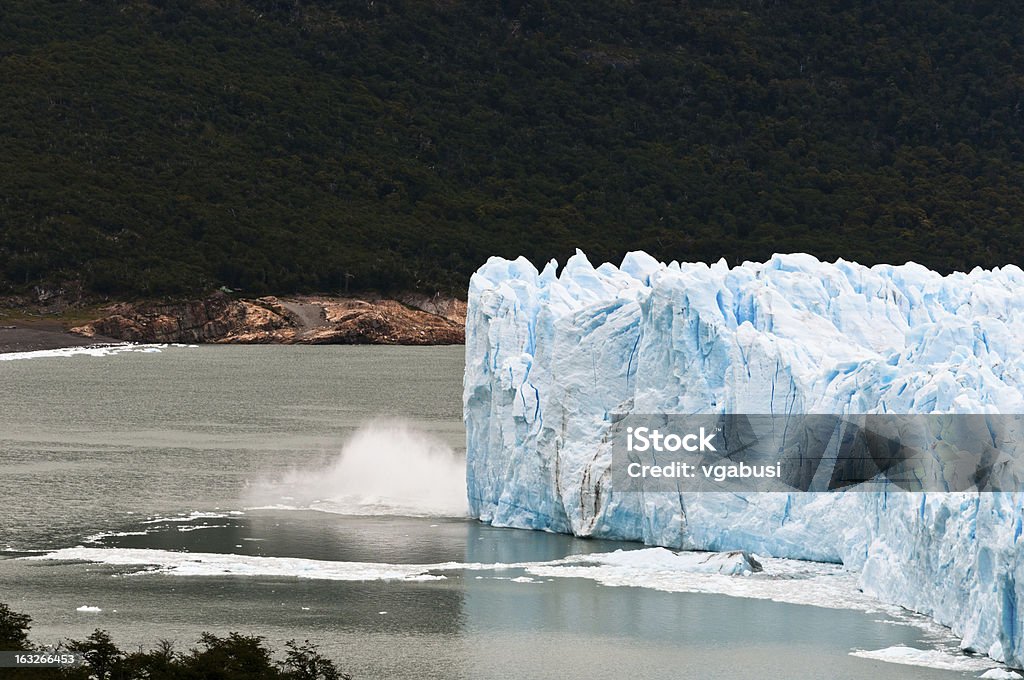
(386,468)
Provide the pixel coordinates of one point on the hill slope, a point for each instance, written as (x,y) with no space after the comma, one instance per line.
(167,147)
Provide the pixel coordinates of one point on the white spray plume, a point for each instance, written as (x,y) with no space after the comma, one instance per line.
(386,468)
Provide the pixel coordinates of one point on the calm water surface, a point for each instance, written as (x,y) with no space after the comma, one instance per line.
(126,443)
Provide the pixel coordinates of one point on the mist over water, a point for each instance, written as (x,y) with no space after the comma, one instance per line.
(388,467)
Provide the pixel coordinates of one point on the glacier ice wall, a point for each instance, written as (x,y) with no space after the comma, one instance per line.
(549,356)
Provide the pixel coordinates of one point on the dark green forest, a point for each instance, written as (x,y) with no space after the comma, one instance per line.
(168,147)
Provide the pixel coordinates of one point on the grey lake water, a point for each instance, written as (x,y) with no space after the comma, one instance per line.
(306,455)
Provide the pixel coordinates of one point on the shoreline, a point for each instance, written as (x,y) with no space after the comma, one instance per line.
(221,319)
(35,337)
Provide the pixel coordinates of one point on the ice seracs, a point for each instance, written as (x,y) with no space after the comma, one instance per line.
(550,356)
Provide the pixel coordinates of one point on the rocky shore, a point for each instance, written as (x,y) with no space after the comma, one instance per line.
(311,320)
(40,335)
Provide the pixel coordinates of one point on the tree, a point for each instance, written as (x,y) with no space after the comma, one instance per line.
(235,657)
(102,656)
(304,662)
(14,629)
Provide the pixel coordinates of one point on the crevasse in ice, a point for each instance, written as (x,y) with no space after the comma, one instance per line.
(550,355)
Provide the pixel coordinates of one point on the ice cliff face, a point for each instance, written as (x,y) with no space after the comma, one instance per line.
(549,357)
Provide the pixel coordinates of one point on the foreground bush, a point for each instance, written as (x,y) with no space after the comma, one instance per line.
(234,657)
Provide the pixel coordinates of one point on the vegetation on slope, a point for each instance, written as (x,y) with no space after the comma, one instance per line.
(168,147)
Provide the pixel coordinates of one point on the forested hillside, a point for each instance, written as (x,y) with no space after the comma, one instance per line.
(167,147)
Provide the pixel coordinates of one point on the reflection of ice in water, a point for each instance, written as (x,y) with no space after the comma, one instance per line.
(386,468)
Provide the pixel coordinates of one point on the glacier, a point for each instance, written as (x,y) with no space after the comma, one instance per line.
(552,356)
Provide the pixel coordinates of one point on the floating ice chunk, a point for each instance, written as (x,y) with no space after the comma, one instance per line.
(89,350)
(214,564)
(729,563)
(929,658)
(194,515)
